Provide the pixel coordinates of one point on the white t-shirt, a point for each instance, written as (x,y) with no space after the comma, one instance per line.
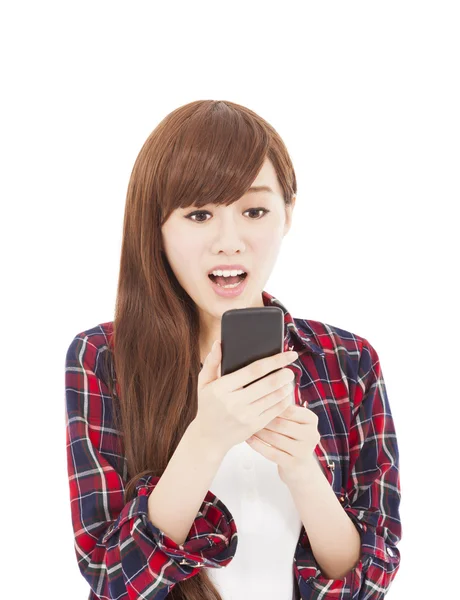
(268,527)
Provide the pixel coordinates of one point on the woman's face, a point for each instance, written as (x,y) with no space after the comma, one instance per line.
(235,234)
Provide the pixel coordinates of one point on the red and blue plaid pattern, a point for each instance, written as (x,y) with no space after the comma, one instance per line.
(121,554)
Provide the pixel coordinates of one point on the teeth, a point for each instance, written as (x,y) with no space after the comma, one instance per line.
(227,273)
(230,285)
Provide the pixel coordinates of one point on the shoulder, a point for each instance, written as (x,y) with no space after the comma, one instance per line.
(90,348)
(349,359)
(331,338)
(338,343)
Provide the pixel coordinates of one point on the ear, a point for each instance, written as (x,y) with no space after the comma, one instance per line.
(289,210)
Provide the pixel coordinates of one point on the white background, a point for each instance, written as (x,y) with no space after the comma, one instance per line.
(365,96)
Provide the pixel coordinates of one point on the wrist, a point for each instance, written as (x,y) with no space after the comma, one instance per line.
(303,475)
(210,449)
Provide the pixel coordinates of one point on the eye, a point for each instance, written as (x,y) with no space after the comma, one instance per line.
(204,212)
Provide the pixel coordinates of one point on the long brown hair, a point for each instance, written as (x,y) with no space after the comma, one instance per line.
(207,151)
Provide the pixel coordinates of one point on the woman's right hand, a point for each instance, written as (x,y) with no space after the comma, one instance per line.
(229,414)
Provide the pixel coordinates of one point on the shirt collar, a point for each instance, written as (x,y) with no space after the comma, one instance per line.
(294,338)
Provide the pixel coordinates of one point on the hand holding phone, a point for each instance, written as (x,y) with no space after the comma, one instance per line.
(233,407)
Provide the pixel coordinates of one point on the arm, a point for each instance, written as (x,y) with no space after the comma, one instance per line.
(178,495)
(335,541)
(372,496)
(119,551)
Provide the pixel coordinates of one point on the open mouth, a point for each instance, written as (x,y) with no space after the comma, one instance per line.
(228,282)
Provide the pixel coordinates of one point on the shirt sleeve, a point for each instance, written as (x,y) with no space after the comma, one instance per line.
(373,494)
(120,553)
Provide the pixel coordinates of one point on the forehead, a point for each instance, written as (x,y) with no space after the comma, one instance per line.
(267,177)
(265,185)
(254,192)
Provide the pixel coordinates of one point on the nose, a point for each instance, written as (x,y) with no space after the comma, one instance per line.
(228,238)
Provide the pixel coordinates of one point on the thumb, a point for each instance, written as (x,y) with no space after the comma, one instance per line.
(211,366)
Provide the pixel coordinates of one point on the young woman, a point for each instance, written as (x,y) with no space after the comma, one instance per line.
(169,496)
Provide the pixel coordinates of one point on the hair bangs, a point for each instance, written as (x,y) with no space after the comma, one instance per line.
(216,155)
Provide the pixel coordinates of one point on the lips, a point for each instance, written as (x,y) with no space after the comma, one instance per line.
(231,292)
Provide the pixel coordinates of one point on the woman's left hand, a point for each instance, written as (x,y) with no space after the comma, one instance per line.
(293,437)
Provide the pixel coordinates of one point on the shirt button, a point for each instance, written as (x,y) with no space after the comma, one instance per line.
(390,551)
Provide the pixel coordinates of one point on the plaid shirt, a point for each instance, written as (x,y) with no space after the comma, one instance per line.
(121,554)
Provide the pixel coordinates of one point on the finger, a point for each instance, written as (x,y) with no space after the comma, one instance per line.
(255,373)
(299,414)
(211,366)
(285,427)
(278,441)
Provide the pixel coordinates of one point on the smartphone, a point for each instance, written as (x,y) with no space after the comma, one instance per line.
(249,334)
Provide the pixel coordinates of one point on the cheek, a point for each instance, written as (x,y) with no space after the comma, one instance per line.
(190,252)
(184,258)
(185,250)
(267,249)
